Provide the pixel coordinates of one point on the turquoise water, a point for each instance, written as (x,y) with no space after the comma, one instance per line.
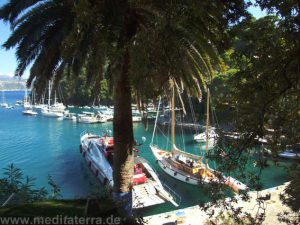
(41,146)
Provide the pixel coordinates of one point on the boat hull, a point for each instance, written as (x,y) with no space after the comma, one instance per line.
(177,175)
(289,155)
(171,170)
(29,113)
(144,194)
(51,114)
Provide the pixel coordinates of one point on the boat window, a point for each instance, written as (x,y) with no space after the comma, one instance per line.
(96,151)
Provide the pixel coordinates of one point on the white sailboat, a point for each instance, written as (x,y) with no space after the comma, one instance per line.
(3,104)
(42,104)
(48,112)
(26,103)
(187,167)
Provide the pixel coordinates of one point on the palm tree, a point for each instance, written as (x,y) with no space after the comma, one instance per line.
(143,43)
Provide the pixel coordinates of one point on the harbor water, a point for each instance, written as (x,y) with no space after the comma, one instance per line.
(42,146)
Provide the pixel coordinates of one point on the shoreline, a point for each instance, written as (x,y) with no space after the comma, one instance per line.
(195,215)
(6,90)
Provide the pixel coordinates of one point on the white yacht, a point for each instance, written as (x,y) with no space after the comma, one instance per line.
(29,112)
(212,137)
(107,113)
(147,189)
(90,117)
(289,154)
(69,116)
(136,116)
(57,106)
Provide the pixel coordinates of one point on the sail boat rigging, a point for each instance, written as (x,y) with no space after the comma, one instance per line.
(49,112)
(3,104)
(188,167)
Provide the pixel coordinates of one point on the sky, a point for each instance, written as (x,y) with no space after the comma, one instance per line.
(8,62)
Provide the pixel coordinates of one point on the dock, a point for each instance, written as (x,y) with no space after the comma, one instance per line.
(195,215)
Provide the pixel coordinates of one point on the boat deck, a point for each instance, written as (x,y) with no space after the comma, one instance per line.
(145,195)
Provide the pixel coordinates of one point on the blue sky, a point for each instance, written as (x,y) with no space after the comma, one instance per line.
(7,57)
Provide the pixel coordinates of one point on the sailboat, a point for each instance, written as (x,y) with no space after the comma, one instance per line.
(187,167)
(3,104)
(26,104)
(48,112)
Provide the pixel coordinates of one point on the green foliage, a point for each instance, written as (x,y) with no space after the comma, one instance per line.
(55,189)
(261,90)
(14,182)
(78,91)
(24,188)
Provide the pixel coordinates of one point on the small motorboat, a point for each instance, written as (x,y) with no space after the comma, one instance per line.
(212,137)
(90,117)
(29,112)
(69,116)
(147,189)
(290,154)
(9,107)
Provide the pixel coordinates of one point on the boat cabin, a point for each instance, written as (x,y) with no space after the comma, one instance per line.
(139,177)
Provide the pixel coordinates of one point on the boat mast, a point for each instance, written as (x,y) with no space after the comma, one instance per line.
(55,98)
(155,124)
(207,124)
(49,93)
(25,98)
(173,115)
(3,101)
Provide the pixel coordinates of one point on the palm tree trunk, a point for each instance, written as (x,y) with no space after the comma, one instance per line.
(123,136)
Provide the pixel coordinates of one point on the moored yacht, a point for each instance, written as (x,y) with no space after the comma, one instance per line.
(50,112)
(187,167)
(69,116)
(29,112)
(90,117)
(212,137)
(289,154)
(147,189)
(136,116)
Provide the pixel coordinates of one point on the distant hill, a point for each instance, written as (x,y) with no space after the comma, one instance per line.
(11,83)
(6,78)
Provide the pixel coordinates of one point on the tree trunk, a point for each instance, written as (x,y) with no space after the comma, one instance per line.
(123,137)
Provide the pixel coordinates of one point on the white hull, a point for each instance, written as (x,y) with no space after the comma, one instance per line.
(212,137)
(167,168)
(289,154)
(40,106)
(162,160)
(136,119)
(170,170)
(70,118)
(29,112)
(87,120)
(148,192)
(51,114)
